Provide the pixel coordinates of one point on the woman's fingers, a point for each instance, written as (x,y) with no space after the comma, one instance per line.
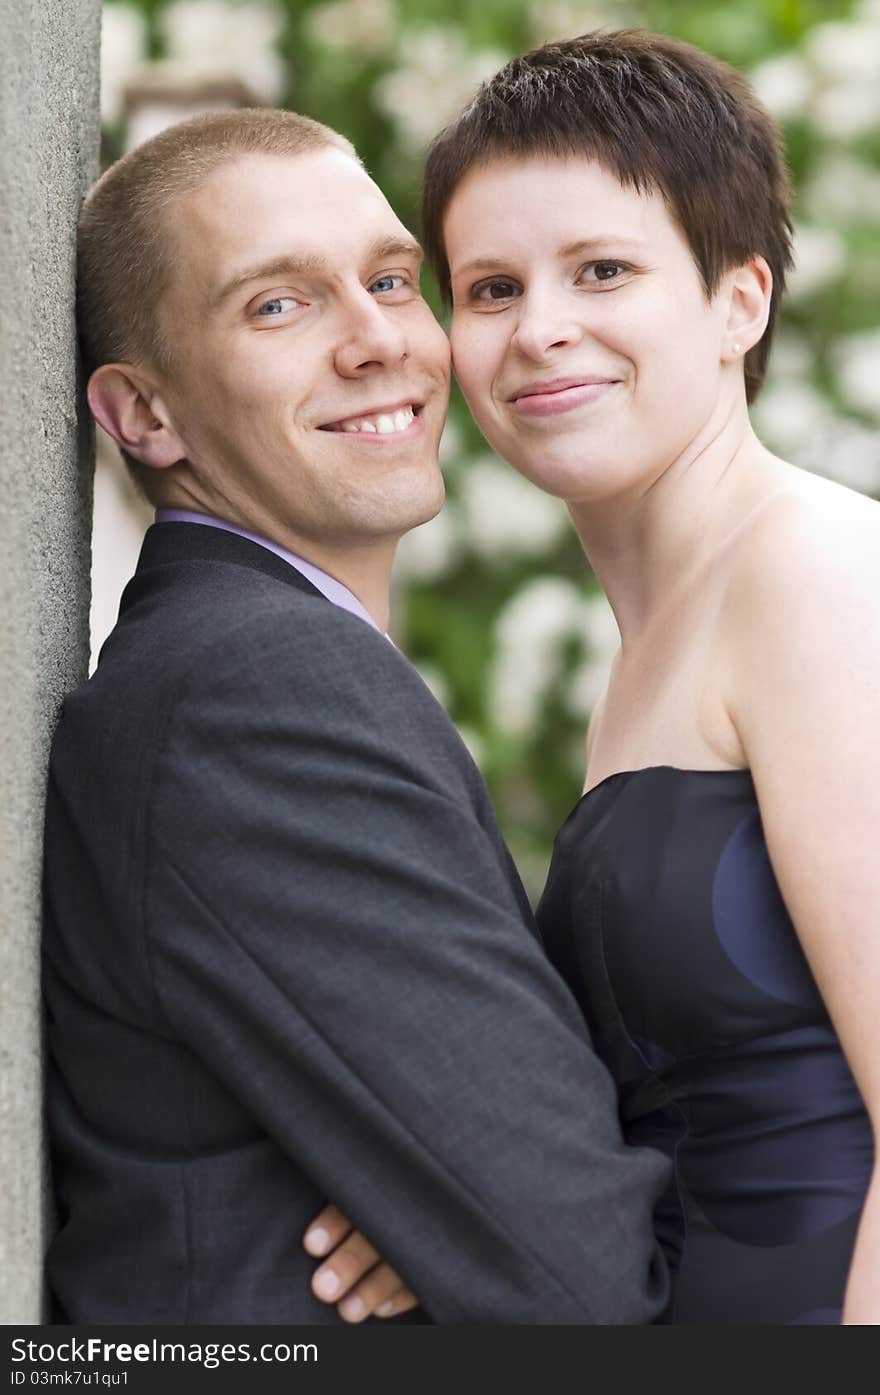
(381,1292)
(327,1230)
(344,1268)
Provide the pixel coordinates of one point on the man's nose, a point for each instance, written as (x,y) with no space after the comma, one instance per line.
(371,336)
(547,320)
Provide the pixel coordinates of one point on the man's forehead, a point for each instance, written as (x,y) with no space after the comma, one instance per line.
(318,208)
(256,189)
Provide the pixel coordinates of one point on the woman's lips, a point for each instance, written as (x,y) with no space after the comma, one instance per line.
(550,399)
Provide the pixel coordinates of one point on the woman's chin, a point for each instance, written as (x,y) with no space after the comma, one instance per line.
(574,481)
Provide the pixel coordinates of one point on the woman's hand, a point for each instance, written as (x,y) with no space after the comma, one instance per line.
(352,1275)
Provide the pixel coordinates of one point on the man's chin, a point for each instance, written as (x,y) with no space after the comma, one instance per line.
(423,503)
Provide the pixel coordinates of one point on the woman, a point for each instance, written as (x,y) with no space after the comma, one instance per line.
(610,219)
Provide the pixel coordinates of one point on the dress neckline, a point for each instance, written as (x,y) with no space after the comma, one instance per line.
(654,769)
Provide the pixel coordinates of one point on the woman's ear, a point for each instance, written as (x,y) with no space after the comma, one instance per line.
(750,288)
(130,410)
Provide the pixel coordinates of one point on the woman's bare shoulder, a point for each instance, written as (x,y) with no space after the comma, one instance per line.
(801,612)
(812,533)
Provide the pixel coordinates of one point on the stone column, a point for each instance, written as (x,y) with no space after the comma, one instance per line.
(49,129)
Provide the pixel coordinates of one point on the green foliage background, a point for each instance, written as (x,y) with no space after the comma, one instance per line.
(448,622)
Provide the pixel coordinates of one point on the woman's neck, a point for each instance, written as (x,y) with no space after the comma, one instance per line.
(650,548)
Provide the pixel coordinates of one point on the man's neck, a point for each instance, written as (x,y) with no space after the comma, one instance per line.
(364,568)
(366,571)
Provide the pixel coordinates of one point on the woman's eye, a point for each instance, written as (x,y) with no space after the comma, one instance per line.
(494,290)
(270,309)
(605,271)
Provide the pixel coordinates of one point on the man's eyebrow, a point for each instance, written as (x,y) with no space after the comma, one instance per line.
(395,247)
(310,265)
(571,249)
(277,266)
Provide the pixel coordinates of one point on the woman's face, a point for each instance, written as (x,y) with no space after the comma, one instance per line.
(582,337)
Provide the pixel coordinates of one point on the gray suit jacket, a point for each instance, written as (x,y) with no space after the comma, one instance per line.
(287,958)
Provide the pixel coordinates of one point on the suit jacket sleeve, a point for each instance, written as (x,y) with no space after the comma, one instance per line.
(332,930)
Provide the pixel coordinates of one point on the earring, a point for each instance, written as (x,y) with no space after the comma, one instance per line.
(737,348)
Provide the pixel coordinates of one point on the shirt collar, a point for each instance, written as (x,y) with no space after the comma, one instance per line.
(334,590)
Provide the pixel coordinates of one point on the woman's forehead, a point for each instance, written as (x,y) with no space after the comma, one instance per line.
(566,202)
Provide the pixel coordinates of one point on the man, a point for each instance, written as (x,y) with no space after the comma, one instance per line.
(287,955)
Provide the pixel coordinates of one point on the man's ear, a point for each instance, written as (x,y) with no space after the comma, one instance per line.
(750,290)
(131,410)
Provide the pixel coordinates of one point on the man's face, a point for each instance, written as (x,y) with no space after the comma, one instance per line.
(582,336)
(310,379)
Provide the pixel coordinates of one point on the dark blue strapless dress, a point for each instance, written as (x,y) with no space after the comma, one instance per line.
(663,914)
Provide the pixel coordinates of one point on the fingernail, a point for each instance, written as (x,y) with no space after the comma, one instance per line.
(317,1241)
(352,1308)
(385,1308)
(327,1283)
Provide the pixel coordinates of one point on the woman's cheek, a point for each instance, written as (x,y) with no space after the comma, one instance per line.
(471,358)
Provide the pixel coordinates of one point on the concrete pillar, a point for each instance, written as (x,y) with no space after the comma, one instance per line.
(49,129)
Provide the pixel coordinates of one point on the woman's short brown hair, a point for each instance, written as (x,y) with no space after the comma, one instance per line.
(660,115)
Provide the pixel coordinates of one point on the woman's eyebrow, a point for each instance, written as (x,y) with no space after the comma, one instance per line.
(571,249)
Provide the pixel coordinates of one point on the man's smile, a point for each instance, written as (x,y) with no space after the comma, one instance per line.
(397,419)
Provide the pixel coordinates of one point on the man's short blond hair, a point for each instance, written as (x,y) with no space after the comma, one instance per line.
(124,256)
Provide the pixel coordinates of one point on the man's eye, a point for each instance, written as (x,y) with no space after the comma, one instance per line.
(270,309)
(498,289)
(388,283)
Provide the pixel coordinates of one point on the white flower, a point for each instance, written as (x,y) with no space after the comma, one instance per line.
(515,695)
(543,612)
(438,74)
(451,444)
(845,51)
(847,452)
(783,85)
(434,680)
(229,39)
(792,356)
(504,515)
(123,50)
(530,634)
(600,627)
(819,259)
(843,189)
(854,458)
(586,686)
(473,740)
(367,25)
(590,678)
(429,551)
(847,109)
(844,57)
(789,414)
(152,115)
(857,363)
(567,19)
